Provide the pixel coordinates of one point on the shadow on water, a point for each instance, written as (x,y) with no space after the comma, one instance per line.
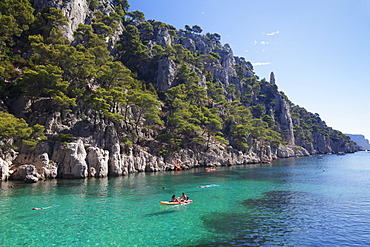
(281,199)
(269,220)
(161,213)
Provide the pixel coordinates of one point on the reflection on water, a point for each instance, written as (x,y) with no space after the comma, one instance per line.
(166,209)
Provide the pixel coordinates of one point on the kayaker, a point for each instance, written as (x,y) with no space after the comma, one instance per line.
(174,199)
(183,197)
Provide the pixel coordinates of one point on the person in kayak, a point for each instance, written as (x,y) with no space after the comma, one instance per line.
(183,197)
(174,199)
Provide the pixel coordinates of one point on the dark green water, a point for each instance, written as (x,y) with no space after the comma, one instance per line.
(291,202)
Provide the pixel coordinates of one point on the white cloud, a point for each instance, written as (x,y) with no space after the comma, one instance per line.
(273,33)
(255,42)
(259,63)
(246,50)
(264,42)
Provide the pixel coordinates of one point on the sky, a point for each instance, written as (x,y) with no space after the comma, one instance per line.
(318,50)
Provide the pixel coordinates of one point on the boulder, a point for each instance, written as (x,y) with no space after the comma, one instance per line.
(115,167)
(97,161)
(39,158)
(27,173)
(163,37)
(291,151)
(188,44)
(71,159)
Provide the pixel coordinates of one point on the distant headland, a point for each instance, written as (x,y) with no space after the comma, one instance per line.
(360,140)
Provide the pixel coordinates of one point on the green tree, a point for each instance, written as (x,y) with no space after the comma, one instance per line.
(212,124)
(78,65)
(216,93)
(134,17)
(47,81)
(92,43)
(181,120)
(93,4)
(105,24)
(215,37)
(146,31)
(268,119)
(188,28)
(157,52)
(258,110)
(121,3)
(99,100)
(15,18)
(145,109)
(18,130)
(197,29)
(49,24)
(131,49)
(179,54)
(114,74)
(232,92)
(238,124)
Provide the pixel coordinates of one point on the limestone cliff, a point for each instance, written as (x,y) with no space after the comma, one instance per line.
(97,151)
(99,147)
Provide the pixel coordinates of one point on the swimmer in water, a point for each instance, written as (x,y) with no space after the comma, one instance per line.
(207,186)
(40,208)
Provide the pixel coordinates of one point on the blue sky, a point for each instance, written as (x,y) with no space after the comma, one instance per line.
(318,50)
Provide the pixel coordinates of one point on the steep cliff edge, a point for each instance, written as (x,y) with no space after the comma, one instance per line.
(360,140)
(119,97)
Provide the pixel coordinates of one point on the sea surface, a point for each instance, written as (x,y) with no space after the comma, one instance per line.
(309,201)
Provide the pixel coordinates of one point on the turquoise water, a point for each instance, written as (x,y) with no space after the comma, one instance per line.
(291,202)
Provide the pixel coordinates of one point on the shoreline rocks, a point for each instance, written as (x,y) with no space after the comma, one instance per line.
(77,160)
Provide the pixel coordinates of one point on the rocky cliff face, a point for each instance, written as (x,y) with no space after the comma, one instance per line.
(97,150)
(75,11)
(78,12)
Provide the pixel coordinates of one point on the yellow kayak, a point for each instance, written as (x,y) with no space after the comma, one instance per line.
(175,203)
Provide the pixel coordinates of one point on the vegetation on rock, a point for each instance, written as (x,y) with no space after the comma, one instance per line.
(37,62)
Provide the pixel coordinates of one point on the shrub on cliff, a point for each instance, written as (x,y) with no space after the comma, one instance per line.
(16,129)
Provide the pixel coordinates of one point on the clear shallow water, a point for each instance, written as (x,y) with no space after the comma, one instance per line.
(291,202)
